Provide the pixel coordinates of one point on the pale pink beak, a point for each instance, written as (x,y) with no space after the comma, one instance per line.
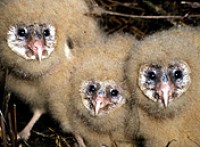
(165,93)
(165,90)
(37,47)
(99,103)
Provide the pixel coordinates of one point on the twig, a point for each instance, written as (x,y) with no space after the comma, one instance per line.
(192,4)
(3,131)
(41,134)
(12,135)
(15,122)
(3,118)
(66,143)
(60,139)
(99,11)
(159,10)
(6,94)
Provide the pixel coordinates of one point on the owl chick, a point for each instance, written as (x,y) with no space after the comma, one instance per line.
(93,103)
(163,77)
(37,38)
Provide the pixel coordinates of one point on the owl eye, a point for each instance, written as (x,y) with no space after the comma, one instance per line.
(46,32)
(114,92)
(21,32)
(178,75)
(92,89)
(151,75)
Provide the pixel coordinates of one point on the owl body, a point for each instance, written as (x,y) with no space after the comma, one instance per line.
(169,61)
(181,131)
(102,67)
(68,20)
(39,38)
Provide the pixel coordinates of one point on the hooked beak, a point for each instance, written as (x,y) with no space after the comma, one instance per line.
(100,102)
(37,47)
(97,105)
(164,93)
(165,90)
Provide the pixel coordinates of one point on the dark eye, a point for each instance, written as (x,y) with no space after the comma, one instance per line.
(178,74)
(151,75)
(21,32)
(92,88)
(114,92)
(46,32)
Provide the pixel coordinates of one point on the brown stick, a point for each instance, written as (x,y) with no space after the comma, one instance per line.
(5,94)
(3,131)
(12,135)
(15,122)
(99,11)
(6,99)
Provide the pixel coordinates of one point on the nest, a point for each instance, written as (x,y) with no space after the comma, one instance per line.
(143,17)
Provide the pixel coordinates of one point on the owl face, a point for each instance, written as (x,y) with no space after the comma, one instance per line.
(32,42)
(101,97)
(163,84)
